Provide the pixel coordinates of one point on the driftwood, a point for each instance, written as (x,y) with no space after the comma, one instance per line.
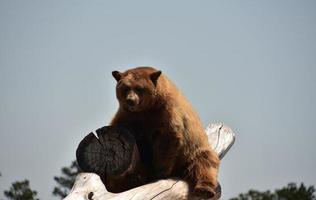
(91,185)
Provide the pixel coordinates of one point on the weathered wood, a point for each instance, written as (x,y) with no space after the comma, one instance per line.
(90,185)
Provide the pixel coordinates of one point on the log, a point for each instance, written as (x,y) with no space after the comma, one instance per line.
(91,184)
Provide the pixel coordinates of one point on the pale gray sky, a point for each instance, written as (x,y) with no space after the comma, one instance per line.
(250,64)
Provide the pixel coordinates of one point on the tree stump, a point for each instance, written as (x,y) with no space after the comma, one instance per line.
(113,155)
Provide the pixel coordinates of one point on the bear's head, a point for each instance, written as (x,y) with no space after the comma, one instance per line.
(136,88)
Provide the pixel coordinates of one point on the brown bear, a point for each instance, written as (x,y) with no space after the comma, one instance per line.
(168,132)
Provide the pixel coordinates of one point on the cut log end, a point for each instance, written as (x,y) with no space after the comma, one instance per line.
(109,155)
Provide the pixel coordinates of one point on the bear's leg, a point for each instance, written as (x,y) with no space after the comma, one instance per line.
(202,174)
(165,149)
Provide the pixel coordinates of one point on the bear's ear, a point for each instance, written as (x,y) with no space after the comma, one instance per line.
(117,75)
(154,77)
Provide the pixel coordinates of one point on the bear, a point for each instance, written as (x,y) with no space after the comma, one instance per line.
(167,130)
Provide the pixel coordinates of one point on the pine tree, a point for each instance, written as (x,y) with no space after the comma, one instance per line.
(20,190)
(289,192)
(66,180)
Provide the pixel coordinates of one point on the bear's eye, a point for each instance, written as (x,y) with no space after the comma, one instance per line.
(124,89)
(139,90)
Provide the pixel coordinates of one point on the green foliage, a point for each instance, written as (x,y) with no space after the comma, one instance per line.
(20,190)
(293,192)
(255,195)
(66,180)
(289,192)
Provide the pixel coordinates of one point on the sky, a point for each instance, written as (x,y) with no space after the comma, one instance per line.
(249,64)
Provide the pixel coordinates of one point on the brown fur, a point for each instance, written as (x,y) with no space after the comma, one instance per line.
(168,132)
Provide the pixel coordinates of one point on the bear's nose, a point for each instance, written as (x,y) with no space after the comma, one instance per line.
(130,102)
(132,99)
